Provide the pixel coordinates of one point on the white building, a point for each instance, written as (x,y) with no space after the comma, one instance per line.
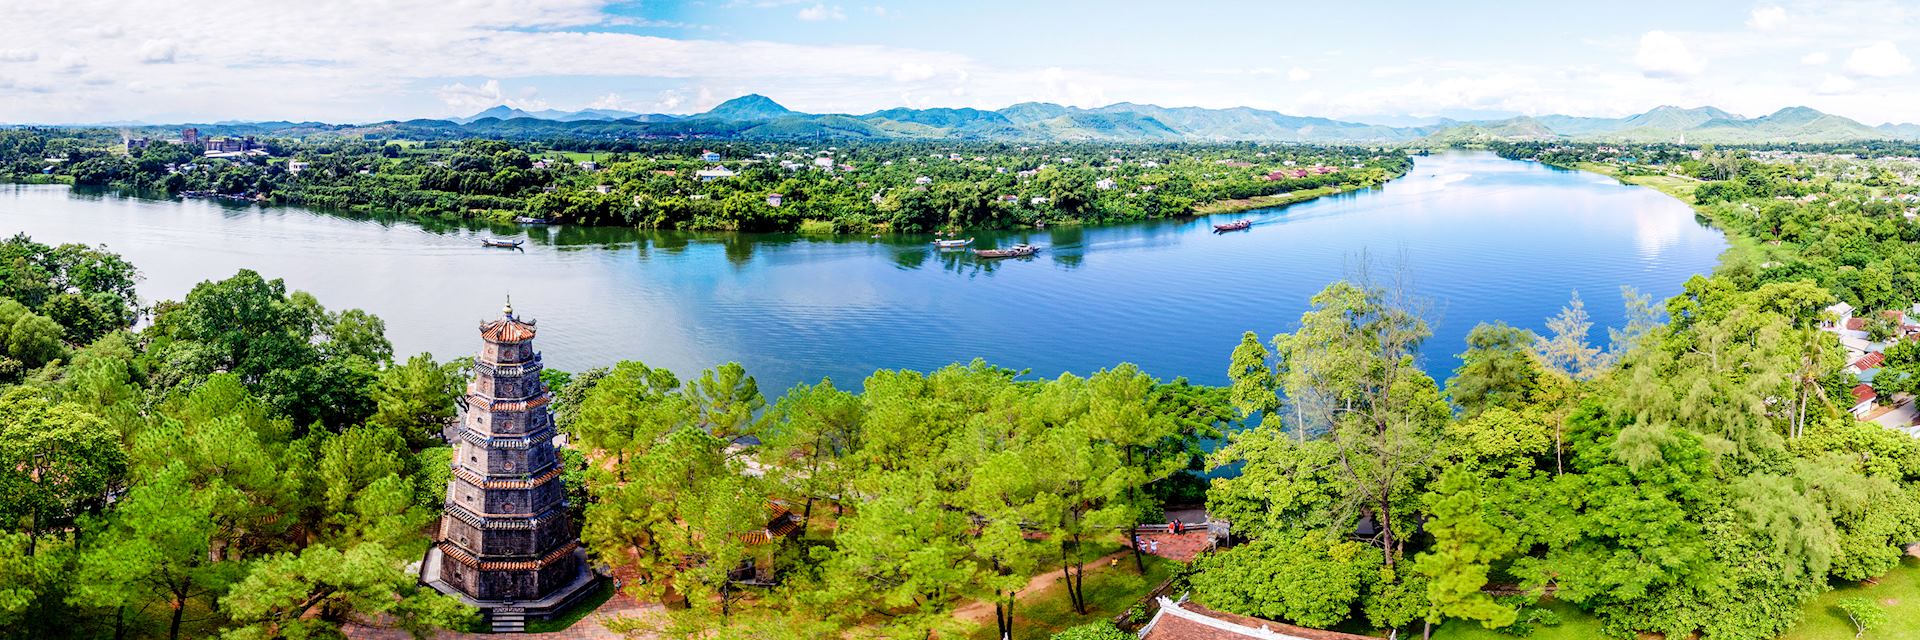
(296,166)
(713,173)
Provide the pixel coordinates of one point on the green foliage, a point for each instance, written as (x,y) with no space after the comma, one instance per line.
(416,399)
(1465,546)
(1864,614)
(1102,630)
(1303,579)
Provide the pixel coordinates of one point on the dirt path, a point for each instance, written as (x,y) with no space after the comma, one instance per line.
(979,610)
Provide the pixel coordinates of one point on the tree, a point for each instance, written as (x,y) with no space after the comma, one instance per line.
(1497,369)
(416,399)
(1301,578)
(1465,546)
(314,592)
(56,462)
(806,440)
(1863,613)
(1567,351)
(158,546)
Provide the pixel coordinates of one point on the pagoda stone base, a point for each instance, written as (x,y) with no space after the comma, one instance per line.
(559,600)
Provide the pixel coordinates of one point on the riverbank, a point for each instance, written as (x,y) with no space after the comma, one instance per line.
(1275,200)
(1677,186)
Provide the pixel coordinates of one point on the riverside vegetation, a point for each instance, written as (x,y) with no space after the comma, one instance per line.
(845,187)
(253,464)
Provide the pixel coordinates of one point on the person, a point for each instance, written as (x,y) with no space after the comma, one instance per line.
(1153,547)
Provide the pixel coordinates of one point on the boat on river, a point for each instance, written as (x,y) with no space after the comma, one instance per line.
(1233,226)
(532,220)
(1015,251)
(503,244)
(952,244)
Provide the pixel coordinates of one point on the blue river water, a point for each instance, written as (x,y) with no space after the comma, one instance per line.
(1480,237)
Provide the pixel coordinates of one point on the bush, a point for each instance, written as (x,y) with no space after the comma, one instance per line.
(1101,630)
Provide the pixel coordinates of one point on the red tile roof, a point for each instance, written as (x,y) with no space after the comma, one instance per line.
(1863,393)
(1194,622)
(1870,361)
(507,330)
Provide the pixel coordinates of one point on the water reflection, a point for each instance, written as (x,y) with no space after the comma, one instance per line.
(1487,239)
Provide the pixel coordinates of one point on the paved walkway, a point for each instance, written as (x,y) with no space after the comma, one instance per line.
(591,627)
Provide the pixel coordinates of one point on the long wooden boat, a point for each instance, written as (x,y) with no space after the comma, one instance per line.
(532,220)
(952,244)
(1015,251)
(503,244)
(1233,226)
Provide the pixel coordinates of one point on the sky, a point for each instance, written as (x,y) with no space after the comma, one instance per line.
(85,61)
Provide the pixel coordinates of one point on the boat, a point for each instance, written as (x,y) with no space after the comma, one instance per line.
(1233,226)
(503,244)
(952,244)
(1015,251)
(530,220)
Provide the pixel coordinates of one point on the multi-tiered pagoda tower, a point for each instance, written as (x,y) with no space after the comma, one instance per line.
(506,543)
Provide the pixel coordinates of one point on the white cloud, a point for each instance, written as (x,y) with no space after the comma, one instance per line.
(463,99)
(1816,58)
(1299,74)
(820,12)
(1767,18)
(18,55)
(1878,60)
(1835,84)
(1664,55)
(157,51)
(912,72)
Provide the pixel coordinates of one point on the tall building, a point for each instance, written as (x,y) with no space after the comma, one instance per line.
(506,544)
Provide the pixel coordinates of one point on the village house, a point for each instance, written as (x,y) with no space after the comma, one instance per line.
(773,199)
(708,155)
(823,162)
(296,166)
(603,188)
(713,173)
(1009,198)
(1039,200)
(1104,184)
(589,165)
(923,180)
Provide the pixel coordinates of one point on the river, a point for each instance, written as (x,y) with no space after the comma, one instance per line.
(1482,238)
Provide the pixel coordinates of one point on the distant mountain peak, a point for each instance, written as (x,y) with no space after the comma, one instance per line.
(752,106)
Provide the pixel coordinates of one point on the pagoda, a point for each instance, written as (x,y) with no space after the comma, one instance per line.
(505,542)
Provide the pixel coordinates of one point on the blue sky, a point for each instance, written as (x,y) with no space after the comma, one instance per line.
(107,60)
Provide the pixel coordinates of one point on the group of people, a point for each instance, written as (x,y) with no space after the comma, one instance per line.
(1174,526)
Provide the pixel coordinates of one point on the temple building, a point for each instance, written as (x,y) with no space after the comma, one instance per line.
(505,542)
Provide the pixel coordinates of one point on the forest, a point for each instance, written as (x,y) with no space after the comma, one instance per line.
(851,187)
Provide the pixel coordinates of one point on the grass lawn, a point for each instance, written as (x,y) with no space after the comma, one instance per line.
(1109,590)
(580,610)
(1898,594)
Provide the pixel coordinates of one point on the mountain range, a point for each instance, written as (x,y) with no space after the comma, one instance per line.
(756,116)
(759,117)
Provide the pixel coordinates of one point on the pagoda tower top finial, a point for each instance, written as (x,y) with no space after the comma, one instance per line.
(508,309)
